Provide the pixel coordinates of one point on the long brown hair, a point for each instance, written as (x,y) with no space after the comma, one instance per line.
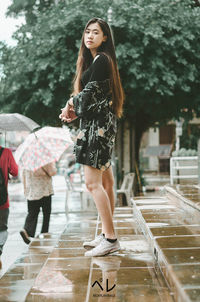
(85,59)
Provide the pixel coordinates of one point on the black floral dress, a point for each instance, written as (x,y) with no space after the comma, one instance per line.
(98,123)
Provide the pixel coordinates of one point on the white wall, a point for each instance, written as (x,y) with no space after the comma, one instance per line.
(126,139)
(153,141)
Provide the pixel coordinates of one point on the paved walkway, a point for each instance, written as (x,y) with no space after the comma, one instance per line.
(14,246)
(158,261)
(54,268)
(171,225)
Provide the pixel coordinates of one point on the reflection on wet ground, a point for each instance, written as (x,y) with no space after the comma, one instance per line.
(174,235)
(190,192)
(127,275)
(55,269)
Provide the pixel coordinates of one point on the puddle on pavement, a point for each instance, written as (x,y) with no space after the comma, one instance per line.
(188,275)
(70,263)
(76,237)
(193,294)
(155,207)
(157,224)
(136,246)
(179,241)
(182,256)
(179,230)
(126,231)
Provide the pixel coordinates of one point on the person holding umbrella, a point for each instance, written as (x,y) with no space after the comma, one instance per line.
(7,166)
(97,100)
(36,157)
(38,190)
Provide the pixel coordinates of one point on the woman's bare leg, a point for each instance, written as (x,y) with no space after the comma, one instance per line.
(108,184)
(93,180)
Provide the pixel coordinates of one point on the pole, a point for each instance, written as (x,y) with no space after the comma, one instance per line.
(198,148)
(179,131)
(109,18)
(109,15)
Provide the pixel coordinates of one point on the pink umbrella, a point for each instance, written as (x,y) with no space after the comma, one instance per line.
(42,147)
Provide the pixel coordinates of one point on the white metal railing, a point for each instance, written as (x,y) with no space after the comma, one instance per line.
(183,163)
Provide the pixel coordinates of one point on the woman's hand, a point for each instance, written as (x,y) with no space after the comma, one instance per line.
(68,113)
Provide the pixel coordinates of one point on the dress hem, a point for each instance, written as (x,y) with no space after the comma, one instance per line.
(93,166)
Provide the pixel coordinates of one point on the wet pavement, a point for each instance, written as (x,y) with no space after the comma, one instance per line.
(171,225)
(127,275)
(15,246)
(53,267)
(159,258)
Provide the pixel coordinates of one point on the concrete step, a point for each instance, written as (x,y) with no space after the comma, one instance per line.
(155,181)
(186,194)
(55,268)
(172,229)
(70,276)
(19,278)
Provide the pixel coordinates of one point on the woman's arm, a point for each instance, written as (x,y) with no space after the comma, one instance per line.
(12,166)
(68,114)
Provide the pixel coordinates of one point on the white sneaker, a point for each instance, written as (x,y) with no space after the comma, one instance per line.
(104,248)
(91,244)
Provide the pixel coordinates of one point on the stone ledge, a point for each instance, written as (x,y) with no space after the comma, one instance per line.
(174,192)
(172,267)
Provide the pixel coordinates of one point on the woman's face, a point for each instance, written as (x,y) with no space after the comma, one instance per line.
(94,37)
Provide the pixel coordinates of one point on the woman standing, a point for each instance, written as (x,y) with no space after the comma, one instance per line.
(97,100)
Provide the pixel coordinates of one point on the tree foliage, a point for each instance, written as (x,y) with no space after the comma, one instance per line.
(158,48)
(158,51)
(31,9)
(38,72)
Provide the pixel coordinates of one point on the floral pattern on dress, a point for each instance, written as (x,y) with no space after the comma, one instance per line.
(98,125)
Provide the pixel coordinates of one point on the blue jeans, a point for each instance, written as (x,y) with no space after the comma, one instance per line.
(3,227)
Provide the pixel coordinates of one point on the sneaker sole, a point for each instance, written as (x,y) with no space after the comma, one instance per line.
(111,252)
(108,253)
(88,247)
(26,240)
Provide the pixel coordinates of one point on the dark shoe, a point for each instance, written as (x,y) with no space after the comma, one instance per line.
(25,236)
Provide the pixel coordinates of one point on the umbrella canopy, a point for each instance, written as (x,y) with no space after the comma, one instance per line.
(16,122)
(42,147)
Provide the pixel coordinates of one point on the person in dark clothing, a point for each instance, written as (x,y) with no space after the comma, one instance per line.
(97,99)
(38,190)
(8,166)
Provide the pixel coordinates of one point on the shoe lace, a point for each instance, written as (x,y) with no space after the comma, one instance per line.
(100,236)
(103,242)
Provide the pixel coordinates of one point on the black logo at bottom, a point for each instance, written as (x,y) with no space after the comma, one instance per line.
(107,286)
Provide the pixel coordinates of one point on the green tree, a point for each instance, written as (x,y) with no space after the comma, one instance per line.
(38,72)
(158,51)
(189,138)
(31,9)
(159,56)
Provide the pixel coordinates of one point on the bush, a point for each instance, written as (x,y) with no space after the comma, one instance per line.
(185,152)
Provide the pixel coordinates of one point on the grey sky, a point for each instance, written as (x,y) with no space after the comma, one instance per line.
(7,25)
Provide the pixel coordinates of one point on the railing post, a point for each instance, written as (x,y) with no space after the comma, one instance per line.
(171,171)
(198,149)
